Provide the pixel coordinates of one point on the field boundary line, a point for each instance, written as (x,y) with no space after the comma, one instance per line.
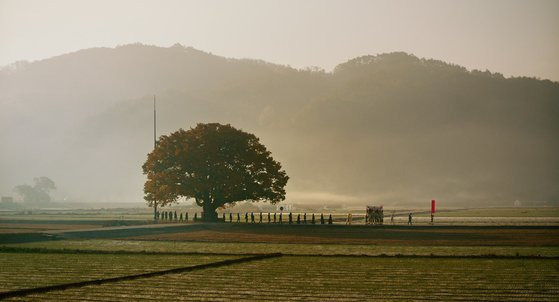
(38,250)
(8,249)
(44,289)
(527,257)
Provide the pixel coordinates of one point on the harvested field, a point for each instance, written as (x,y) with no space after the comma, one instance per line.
(319,262)
(502,212)
(29,270)
(297,249)
(339,279)
(374,235)
(13,228)
(317,234)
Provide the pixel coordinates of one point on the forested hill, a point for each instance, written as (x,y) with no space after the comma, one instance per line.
(390,128)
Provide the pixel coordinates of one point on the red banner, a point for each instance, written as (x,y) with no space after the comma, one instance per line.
(433,206)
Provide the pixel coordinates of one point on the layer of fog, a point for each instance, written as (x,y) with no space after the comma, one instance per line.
(384,129)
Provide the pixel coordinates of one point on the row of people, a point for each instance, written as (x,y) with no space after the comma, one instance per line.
(278,218)
(174,216)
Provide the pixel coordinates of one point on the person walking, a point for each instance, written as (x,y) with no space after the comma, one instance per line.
(260,218)
(409,219)
(349,218)
(251,217)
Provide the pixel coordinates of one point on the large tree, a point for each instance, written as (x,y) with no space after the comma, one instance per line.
(215,165)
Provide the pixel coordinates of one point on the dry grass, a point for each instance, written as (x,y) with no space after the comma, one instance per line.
(29,270)
(339,279)
(407,236)
(16,228)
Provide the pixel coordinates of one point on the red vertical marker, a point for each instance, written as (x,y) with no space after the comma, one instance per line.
(433,206)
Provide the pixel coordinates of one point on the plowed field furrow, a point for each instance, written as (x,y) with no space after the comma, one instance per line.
(341,279)
(20,271)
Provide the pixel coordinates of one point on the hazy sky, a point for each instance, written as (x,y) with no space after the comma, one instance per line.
(507,36)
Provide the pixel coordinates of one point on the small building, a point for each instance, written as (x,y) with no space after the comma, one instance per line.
(7,199)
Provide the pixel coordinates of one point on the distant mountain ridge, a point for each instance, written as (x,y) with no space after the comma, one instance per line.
(387,128)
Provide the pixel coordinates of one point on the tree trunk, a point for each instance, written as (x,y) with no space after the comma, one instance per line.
(155,211)
(209,212)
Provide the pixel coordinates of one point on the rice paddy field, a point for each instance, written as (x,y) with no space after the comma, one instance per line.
(337,279)
(86,260)
(29,270)
(181,247)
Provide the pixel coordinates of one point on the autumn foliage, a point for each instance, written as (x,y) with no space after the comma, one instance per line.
(215,165)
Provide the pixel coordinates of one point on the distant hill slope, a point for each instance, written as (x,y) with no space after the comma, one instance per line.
(389,129)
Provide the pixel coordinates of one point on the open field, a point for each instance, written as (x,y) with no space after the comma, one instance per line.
(444,262)
(373,235)
(338,279)
(105,245)
(450,216)
(312,234)
(62,215)
(501,212)
(18,228)
(27,270)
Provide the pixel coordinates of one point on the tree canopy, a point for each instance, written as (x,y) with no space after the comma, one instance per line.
(215,165)
(38,193)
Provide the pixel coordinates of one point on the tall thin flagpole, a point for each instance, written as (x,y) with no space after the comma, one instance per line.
(154,146)
(154,124)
